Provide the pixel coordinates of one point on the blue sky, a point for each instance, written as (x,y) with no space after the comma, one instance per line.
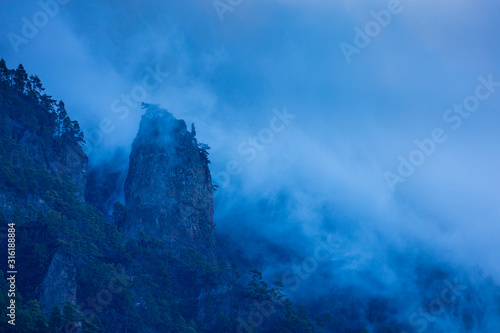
(352,120)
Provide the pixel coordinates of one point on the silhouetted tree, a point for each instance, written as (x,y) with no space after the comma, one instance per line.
(20,78)
(4,72)
(70,316)
(257,287)
(76,133)
(203,148)
(35,87)
(119,214)
(55,320)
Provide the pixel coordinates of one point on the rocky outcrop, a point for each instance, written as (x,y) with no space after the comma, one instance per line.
(9,203)
(37,163)
(70,163)
(168,190)
(65,160)
(59,285)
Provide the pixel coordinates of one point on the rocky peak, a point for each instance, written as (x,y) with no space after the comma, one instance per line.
(168,190)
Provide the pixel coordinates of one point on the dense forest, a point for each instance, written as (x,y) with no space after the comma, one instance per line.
(120,286)
(89,265)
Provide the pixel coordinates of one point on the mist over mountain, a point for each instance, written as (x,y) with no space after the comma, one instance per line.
(353,160)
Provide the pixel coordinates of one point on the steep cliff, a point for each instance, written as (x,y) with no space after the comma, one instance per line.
(151,265)
(35,134)
(168,190)
(42,173)
(59,285)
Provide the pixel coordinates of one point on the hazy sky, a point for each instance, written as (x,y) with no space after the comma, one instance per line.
(230,69)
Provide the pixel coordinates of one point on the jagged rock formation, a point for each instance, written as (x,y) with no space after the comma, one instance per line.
(64,160)
(42,172)
(155,270)
(168,190)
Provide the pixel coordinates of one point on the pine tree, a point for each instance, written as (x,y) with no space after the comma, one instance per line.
(36,87)
(62,120)
(4,72)
(67,126)
(193,133)
(277,291)
(235,274)
(76,133)
(257,287)
(47,103)
(20,79)
(119,214)
(70,316)
(55,320)
(203,149)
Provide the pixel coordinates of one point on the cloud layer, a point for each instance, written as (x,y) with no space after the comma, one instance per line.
(324,172)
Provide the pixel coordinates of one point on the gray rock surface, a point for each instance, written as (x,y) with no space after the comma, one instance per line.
(59,285)
(168,190)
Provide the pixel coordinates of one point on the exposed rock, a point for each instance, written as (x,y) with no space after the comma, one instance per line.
(59,285)
(168,190)
(65,161)
(70,163)
(30,204)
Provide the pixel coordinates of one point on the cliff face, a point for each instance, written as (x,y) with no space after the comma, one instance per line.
(42,177)
(162,242)
(168,190)
(59,285)
(64,160)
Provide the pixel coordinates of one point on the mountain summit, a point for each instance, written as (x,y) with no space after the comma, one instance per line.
(168,190)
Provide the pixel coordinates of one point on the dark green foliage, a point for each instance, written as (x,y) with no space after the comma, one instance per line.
(257,287)
(296,320)
(203,149)
(235,273)
(20,79)
(30,318)
(70,316)
(120,287)
(28,315)
(55,320)
(324,320)
(224,324)
(194,260)
(119,214)
(39,111)
(277,292)
(193,132)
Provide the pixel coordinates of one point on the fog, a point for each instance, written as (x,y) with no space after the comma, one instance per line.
(320,174)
